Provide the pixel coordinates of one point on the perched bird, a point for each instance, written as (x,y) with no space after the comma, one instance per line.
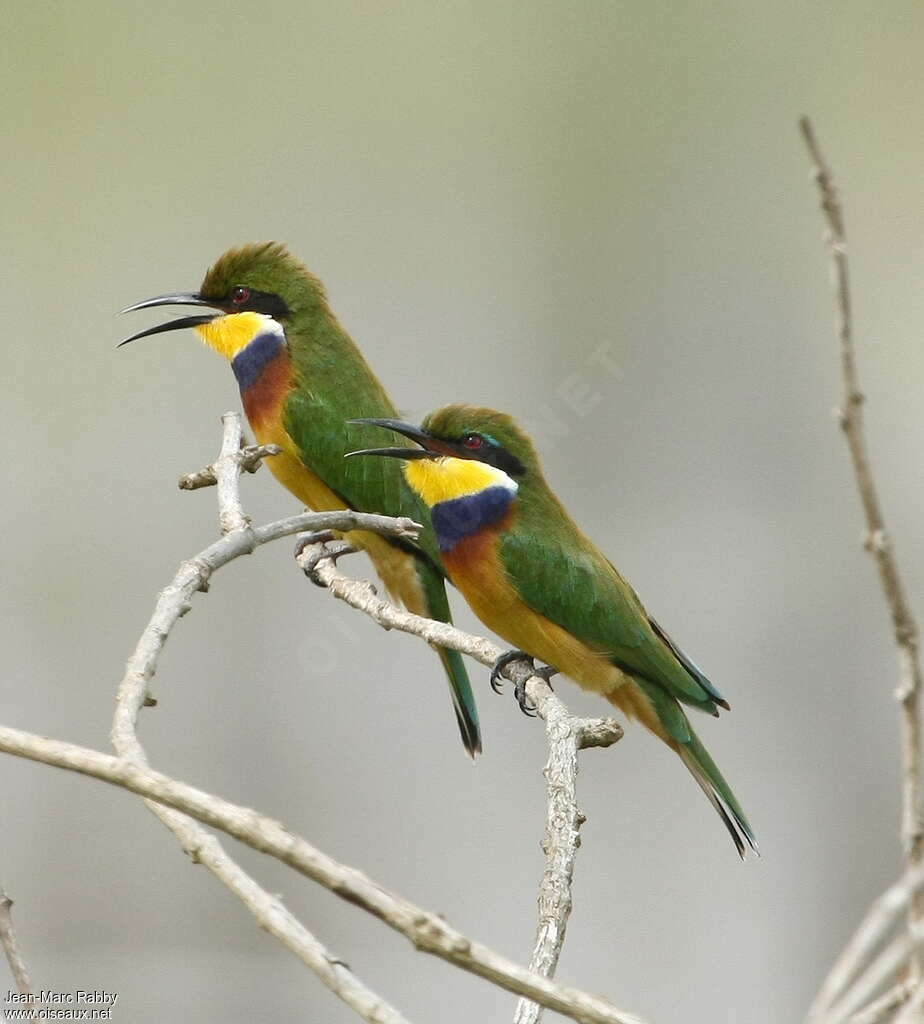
(535,579)
(301,377)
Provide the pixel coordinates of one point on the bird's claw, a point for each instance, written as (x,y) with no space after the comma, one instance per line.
(497,680)
(519,691)
(546,672)
(326,551)
(526,705)
(315,537)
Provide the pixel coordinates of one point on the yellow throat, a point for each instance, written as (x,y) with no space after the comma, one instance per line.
(228,335)
(445,479)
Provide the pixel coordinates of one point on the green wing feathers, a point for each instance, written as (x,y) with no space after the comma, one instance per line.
(575,586)
(317,423)
(700,765)
(561,574)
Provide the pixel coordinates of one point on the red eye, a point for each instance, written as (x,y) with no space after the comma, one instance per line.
(240,295)
(473,442)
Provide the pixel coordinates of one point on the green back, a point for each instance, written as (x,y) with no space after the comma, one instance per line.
(559,572)
(335,384)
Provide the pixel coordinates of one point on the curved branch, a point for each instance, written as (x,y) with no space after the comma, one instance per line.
(11,948)
(173,602)
(426,931)
(566,735)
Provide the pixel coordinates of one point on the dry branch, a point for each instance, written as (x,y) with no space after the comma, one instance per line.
(11,948)
(566,735)
(856,957)
(425,930)
(884,1007)
(879,546)
(250,459)
(174,601)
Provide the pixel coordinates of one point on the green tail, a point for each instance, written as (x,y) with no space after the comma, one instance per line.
(695,756)
(463,700)
(701,766)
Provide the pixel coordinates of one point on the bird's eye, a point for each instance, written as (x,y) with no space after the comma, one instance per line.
(473,442)
(240,295)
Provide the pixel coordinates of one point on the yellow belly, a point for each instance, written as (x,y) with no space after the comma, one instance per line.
(485,586)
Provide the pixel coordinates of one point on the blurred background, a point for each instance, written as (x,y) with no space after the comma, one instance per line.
(596,216)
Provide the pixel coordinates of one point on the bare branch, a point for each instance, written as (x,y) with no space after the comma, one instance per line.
(270,913)
(881,971)
(876,925)
(251,458)
(884,1007)
(11,948)
(227,470)
(904,625)
(199,844)
(425,930)
(913,1010)
(566,735)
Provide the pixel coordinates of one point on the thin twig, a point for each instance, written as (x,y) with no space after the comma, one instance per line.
(198,843)
(884,1007)
(250,459)
(877,543)
(231,515)
(427,931)
(913,1010)
(878,974)
(876,925)
(11,948)
(566,736)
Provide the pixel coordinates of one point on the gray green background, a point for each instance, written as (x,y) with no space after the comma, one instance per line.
(596,216)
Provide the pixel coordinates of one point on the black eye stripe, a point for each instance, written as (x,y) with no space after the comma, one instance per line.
(242,298)
(490,452)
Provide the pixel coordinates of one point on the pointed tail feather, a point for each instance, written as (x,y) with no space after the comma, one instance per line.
(660,712)
(701,766)
(463,700)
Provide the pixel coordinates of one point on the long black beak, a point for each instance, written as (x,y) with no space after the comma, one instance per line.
(176,299)
(428,449)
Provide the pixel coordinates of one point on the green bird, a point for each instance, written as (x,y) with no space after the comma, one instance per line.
(301,377)
(535,579)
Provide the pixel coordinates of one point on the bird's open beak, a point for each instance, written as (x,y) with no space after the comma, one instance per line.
(176,299)
(430,447)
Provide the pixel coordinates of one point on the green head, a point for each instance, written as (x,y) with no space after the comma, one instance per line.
(484,435)
(463,449)
(246,285)
(277,281)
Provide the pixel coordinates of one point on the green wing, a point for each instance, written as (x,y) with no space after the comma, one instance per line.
(562,575)
(316,420)
(317,423)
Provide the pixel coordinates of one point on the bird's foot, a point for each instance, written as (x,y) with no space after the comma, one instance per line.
(497,680)
(519,690)
(315,537)
(326,551)
(546,672)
